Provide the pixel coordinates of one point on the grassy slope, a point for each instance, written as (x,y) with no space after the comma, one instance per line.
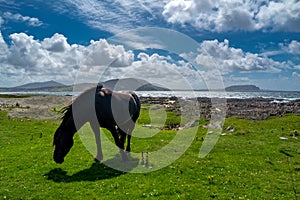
(252,163)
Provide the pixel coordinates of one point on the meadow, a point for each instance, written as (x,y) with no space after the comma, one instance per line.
(251,160)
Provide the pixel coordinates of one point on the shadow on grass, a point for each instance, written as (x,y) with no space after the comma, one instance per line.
(97,171)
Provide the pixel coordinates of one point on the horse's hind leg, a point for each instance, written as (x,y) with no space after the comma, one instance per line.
(96,130)
(122,138)
(128,133)
(118,142)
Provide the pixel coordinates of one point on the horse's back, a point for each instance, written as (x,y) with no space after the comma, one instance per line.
(113,108)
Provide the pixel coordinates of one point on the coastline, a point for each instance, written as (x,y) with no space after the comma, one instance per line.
(278,95)
(47,106)
(250,108)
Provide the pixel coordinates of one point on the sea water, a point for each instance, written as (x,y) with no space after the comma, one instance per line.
(283,95)
(280,95)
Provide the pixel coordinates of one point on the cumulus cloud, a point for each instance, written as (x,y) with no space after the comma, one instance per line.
(31,21)
(279,16)
(296,75)
(55,58)
(231,15)
(220,55)
(163,71)
(57,43)
(293,47)
(102,53)
(297,67)
(3,48)
(25,52)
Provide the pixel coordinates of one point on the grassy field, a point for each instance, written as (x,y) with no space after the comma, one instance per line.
(250,161)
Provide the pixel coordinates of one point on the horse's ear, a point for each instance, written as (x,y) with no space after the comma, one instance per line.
(99,86)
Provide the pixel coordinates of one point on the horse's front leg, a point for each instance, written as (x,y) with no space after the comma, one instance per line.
(96,129)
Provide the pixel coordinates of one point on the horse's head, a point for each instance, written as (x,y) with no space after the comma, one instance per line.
(63,142)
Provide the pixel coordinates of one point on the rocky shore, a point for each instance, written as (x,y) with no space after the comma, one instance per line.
(253,108)
(260,108)
(46,106)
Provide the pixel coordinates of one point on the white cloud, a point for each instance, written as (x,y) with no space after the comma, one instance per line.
(279,16)
(54,58)
(228,15)
(3,49)
(57,43)
(294,47)
(163,71)
(225,58)
(112,16)
(102,53)
(297,67)
(27,59)
(31,21)
(139,40)
(296,75)
(25,51)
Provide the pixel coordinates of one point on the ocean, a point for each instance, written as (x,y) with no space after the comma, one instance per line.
(283,95)
(280,95)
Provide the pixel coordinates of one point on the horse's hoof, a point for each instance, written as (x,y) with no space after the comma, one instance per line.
(97,160)
(125,158)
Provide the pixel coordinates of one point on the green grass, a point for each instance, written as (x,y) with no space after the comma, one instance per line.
(249,163)
(15,95)
(159,116)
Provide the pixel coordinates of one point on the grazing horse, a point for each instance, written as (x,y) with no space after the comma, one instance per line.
(115,111)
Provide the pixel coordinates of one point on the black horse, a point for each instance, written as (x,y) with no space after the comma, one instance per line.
(101,107)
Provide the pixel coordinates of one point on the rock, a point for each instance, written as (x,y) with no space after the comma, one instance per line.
(283,138)
(252,108)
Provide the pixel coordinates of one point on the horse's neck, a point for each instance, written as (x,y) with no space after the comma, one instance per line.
(78,119)
(83,110)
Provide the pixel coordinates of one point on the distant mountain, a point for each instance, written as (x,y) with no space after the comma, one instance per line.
(48,86)
(243,88)
(40,85)
(132,84)
(114,84)
(124,84)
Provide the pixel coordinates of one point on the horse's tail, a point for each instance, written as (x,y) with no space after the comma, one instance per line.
(136,114)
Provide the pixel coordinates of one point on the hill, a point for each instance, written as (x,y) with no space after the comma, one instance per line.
(114,84)
(243,88)
(40,85)
(132,84)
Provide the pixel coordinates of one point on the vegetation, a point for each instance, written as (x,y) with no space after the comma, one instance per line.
(250,161)
(14,95)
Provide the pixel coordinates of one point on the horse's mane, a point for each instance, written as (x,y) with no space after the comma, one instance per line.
(66,111)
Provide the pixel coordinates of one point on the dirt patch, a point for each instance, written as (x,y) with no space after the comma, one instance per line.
(36,106)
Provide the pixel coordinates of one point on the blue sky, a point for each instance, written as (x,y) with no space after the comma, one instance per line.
(249,42)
